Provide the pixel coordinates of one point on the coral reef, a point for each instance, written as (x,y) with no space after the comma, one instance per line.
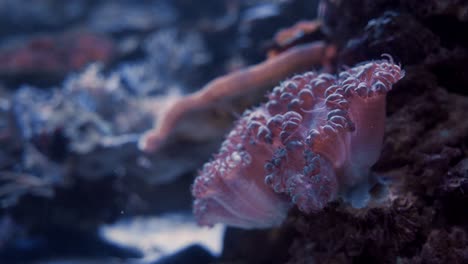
(69,160)
(319,133)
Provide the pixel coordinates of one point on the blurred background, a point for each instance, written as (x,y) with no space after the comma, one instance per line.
(80,81)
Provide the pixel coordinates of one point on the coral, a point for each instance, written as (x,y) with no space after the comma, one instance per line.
(173,58)
(301,32)
(313,141)
(264,74)
(284,36)
(55,54)
(79,125)
(422,156)
(39,176)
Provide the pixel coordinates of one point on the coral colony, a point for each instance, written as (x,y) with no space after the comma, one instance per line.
(314,141)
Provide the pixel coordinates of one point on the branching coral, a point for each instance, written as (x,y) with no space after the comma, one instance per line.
(312,142)
(265,74)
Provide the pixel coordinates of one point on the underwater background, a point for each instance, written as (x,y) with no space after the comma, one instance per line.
(85,84)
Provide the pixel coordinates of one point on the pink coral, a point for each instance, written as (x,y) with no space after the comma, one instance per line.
(265,74)
(312,142)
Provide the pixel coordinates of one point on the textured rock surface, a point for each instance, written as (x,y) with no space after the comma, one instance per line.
(424,151)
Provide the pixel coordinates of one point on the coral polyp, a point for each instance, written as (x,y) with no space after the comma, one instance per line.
(312,142)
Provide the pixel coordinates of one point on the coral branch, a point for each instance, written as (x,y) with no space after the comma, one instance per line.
(285,36)
(268,73)
(313,141)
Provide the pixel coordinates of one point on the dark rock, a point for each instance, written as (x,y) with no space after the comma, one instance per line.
(400,35)
(193,254)
(26,16)
(345,19)
(424,152)
(123,17)
(59,243)
(443,246)
(258,24)
(257,246)
(428,8)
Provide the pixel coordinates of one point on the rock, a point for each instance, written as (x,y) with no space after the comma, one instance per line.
(193,254)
